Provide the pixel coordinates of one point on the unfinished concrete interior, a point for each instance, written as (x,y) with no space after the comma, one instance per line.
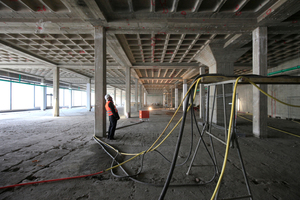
(148,53)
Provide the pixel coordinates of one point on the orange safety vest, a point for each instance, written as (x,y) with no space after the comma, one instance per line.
(109,112)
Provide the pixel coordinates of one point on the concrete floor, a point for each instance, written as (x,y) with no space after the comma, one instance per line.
(36,146)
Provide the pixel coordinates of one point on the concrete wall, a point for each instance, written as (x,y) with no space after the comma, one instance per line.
(286,93)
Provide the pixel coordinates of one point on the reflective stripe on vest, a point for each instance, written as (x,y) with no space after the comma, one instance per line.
(109,112)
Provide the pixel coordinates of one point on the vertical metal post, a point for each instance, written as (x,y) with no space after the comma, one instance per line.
(210,138)
(225,113)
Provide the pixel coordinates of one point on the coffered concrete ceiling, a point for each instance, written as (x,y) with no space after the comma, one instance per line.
(158,39)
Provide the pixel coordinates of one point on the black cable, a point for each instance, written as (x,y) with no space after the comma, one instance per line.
(166,185)
(163,193)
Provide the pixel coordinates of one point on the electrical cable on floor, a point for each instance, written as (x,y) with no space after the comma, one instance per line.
(182,120)
(142,182)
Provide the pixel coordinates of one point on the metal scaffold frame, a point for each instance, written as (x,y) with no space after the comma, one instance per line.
(207,125)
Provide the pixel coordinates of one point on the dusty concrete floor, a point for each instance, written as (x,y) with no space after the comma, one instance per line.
(36,146)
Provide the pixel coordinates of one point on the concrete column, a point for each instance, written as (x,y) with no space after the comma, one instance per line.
(171,98)
(201,96)
(176,96)
(44,95)
(184,91)
(10,95)
(260,103)
(128,92)
(121,97)
(145,98)
(141,96)
(115,96)
(88,95)
(220,60)
(136,95)
(56,92)
(167,98)
(71,100)
(100,81)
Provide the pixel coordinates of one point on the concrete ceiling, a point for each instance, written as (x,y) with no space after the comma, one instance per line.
(159,39)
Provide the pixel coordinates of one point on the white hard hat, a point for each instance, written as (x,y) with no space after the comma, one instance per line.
(107,96)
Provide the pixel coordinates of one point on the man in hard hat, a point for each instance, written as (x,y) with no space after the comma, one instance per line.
(113,116)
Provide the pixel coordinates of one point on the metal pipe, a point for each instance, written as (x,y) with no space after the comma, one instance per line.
(284,70)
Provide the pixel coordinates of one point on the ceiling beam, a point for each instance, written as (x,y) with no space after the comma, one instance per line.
(275,12)
(28,55)
(160,78)
(77,73)
(22,73)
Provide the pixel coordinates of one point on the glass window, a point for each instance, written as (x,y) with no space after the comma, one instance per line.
(67,97)
(22,96)
(49,96)
(93,98)
(83,98)
(38,96)
(5,95)
(61,97)
(76,98)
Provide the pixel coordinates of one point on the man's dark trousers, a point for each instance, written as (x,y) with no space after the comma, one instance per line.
(112,127)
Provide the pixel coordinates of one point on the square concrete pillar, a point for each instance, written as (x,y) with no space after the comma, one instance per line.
(225,68)
(184,91)
(70,93)
(121,97)
(55,98)
(171,98)
(44,95)
(128,92)
(176,96)
(145,99)
(141,96)
(136,95)
(201,96)
(260,103)
(88,95)
(115,96)
(100,81)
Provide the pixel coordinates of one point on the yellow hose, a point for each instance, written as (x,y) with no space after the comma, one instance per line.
(228,140)
(150,149)
(230,124)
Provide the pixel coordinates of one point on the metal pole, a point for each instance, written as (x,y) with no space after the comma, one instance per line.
(210,138)
(225,114)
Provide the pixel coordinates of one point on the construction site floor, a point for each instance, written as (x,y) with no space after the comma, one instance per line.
(36,146)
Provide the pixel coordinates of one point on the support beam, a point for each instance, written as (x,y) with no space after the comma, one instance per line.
(184,91)
(115,95)
(141,96)
(260,103)
(145,99)
(100,81)
(44,96)
(55,92)
(71,97)
(136,95)
(128,92)
(121,97)
(88,95)
(201,96)
(176,96)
